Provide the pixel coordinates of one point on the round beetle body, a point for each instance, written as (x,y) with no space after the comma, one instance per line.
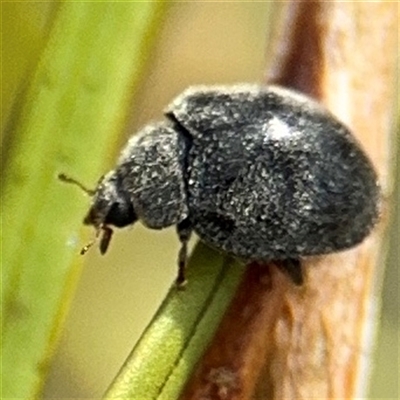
(262,173)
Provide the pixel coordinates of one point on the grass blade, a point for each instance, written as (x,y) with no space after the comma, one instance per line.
(74,109)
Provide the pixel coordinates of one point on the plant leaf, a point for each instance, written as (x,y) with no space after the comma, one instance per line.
(74,108)
(163,359)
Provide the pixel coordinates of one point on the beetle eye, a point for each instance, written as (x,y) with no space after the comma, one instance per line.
(120,215)
(90,218)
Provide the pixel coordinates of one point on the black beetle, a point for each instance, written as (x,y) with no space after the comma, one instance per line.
(260,172)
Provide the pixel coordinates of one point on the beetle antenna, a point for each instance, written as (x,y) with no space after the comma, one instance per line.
(85,248)
(68,179)
(104,241)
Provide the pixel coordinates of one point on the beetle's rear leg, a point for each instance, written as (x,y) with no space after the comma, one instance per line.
(184,230)
(293,268)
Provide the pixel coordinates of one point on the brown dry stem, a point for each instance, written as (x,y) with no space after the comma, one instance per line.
(238,348)
(313,342)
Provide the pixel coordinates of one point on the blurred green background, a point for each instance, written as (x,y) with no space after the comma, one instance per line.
(199,43)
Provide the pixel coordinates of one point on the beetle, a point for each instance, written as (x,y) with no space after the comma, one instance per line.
(262,173)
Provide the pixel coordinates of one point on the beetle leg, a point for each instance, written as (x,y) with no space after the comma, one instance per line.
(293,268)
(184,230)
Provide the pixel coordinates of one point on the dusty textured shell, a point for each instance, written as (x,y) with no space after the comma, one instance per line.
(271,174)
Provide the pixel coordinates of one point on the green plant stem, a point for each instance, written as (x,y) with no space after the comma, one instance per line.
(163,359)
(74,108)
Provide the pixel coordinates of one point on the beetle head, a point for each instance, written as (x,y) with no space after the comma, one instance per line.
(110,206)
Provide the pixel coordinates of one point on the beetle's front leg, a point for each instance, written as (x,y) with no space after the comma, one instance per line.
(184,230)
